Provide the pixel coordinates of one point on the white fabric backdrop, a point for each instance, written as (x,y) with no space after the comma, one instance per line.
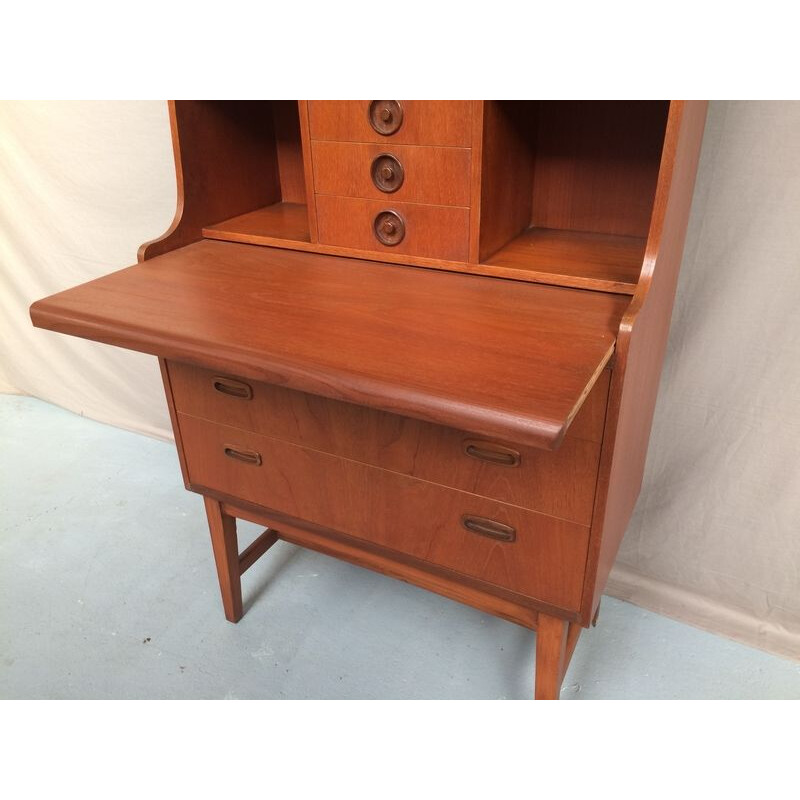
(82,185)
(715,538)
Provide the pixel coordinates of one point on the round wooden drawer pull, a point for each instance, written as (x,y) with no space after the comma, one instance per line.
(387,173)
(389,227)
(385,116)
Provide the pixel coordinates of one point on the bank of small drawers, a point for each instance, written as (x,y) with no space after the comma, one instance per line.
(426,162)
(404,484)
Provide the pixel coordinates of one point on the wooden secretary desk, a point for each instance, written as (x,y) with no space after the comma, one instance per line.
(421,336)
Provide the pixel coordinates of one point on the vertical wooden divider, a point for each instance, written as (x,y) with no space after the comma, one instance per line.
(308,169)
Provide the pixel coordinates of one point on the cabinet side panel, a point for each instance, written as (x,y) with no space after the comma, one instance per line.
(308,170)
(507,161)
(289,149)
(226,164)
(640,350)
(173,416)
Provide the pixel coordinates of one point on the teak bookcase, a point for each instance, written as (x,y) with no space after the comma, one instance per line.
(421,336)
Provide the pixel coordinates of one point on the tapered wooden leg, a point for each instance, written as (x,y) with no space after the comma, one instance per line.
(552,634)
(226,555)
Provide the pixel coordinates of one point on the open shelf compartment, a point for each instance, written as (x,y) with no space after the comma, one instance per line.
(569,258)
(264,143)
(568,189)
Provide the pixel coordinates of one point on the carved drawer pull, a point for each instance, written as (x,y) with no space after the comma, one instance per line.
(389,228)
(387,173)
(385,116)
(231,387)
(489,527)
(489,451)
(247,456)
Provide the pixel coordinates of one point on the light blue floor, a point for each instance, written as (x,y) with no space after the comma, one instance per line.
(108,590)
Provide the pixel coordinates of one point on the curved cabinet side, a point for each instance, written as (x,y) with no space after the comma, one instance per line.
(641,345)
(225,165)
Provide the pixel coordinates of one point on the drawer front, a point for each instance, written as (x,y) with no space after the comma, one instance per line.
(440,232)
(560,483)
(427,122)
(538,556)
(402,173)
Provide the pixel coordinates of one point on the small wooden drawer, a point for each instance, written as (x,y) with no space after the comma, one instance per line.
(432,175)
(428,122)
(560,483)
(440,232)
(532,554)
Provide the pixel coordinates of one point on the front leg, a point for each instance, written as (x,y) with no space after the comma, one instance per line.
(555,642)
(226,555)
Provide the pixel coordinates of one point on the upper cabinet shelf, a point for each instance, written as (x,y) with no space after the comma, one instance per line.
(555,192)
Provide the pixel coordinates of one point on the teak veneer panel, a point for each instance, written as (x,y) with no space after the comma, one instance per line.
(560,483)
(419,519)
(494,357)
(432,175)
(427,122)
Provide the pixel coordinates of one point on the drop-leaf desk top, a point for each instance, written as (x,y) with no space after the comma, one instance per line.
(496,357)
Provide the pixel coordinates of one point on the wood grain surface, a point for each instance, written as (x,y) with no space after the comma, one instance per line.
(493,357)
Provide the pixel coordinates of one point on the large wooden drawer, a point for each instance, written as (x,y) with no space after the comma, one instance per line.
(559,483)
(427,122)
(432,175)
(545,560)
(440,232)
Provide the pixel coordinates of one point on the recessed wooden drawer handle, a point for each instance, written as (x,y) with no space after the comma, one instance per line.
(488,527)
(231,387)
(385,116)
(248,456)
(488,451)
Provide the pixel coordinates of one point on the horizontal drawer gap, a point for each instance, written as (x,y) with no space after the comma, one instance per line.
(388,143)
(389,201)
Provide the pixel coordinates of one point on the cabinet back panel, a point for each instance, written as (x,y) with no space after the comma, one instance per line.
(596,165)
